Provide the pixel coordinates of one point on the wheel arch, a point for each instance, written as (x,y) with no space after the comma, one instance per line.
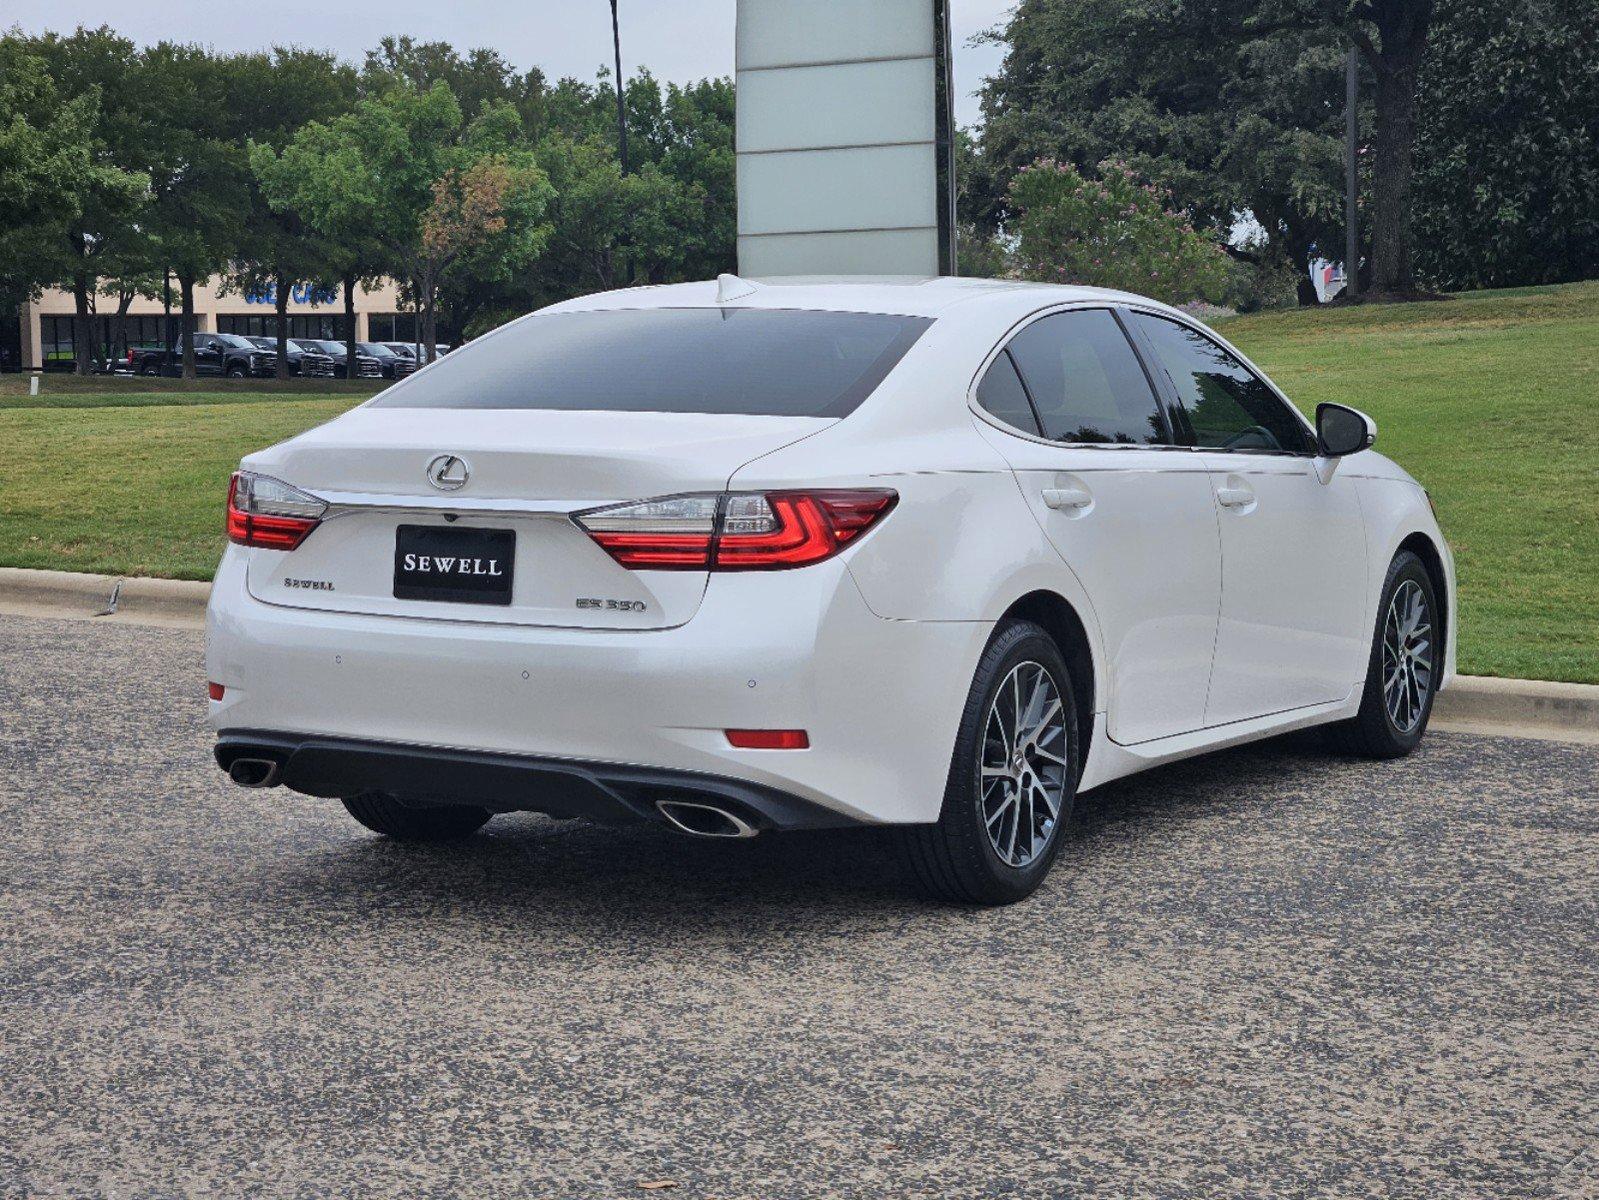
(1058,618)
(1424,548)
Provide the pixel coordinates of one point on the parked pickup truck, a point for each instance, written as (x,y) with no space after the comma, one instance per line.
(366,367)
(214,354)
(301,362)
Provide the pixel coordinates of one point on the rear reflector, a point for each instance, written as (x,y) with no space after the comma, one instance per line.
(769,739)
(737,531)
(214,690)
(268,513)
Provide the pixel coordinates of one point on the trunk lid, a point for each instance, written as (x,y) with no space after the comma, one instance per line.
(528,470)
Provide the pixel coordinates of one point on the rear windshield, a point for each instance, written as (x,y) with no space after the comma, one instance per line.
(762,362)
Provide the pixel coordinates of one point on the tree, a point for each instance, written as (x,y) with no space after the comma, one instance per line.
(1234,105)
(1114,231)
(46,161)
(288,89)
(1507,184)
(1392,38)
(101,235)
(1201,100)
(439,195)
(199,177)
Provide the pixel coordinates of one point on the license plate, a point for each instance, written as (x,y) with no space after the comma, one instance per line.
(462,566)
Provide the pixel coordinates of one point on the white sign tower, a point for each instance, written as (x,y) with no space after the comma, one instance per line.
(845,150)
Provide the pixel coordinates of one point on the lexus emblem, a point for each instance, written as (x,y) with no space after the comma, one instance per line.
(449,472)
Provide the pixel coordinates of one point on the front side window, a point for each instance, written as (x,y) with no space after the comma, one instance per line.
(759,362)
(1226,405)
(1085,381)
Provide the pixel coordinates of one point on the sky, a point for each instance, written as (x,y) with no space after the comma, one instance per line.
(679,40)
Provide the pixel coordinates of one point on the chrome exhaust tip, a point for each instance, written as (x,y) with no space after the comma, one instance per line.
(704,820)
(254,772)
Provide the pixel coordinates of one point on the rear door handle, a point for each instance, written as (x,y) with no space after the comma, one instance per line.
(1067,497)
(1234,497)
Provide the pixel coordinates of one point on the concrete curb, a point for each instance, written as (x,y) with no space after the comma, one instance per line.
(174,602)
(1514,707)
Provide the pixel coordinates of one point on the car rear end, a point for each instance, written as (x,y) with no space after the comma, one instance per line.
(525,580)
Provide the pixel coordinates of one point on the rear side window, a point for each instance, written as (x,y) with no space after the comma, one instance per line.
(1086,382)
(1226,405)
(1002,396)
(761,362)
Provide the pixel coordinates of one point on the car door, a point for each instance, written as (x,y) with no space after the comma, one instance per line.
(1294,575)
(1072,409)
(207,356)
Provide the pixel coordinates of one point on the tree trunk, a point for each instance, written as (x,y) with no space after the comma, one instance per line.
(186,294)
(351,367)
(280,302)
(82,325)
(1402,28)
(430,326)
(119,332)
(1394,152)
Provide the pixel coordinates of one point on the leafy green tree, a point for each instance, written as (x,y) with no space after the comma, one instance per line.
(80,90)
(103,236)
(1507,187)
(1229,119)
(198,170)
(289,89)
(1114,232)
(1234,105)
(46,162)
(440,195)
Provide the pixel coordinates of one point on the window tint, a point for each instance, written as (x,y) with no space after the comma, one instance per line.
(1001,394)
(1226,405)
(1086,381)
(775,362)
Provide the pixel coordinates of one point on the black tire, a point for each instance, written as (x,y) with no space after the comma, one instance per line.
(150,369)
(386,815)
(237,372)
(1374,732)
(955,859)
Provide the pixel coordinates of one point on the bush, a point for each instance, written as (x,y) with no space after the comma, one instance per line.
(1113,232)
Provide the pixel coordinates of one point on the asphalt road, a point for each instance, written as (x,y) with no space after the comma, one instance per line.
(1267,973)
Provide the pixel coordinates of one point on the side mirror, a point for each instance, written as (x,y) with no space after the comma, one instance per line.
(1341,431)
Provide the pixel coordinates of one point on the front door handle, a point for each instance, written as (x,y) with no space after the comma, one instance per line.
(1067,497)
(1234,497)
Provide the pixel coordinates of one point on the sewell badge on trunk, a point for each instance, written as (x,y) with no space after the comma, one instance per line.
(459,566)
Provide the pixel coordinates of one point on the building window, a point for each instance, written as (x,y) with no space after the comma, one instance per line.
(392,327)
(301,325)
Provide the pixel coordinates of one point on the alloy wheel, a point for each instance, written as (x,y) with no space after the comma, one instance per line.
(1023,770)
(1407,656)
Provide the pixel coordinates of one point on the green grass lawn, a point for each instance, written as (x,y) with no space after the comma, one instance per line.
(1489,399)
(97,391)
(132,491)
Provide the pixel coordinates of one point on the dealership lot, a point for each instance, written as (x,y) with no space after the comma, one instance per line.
(1262,973)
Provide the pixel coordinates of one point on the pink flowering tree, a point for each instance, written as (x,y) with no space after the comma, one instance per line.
(1114,232)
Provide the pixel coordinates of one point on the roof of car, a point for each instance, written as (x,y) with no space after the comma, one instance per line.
(904,295)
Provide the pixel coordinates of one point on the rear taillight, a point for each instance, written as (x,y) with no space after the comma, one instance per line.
(268,513)
(735,531)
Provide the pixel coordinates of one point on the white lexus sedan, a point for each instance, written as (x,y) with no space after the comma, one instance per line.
(939,555)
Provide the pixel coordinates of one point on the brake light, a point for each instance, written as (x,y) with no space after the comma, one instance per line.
(735,531)
(268,513)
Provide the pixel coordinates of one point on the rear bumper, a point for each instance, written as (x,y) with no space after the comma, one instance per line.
(880,699)
(604,792)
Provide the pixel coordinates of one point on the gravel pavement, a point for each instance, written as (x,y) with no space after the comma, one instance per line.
(1266,973)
